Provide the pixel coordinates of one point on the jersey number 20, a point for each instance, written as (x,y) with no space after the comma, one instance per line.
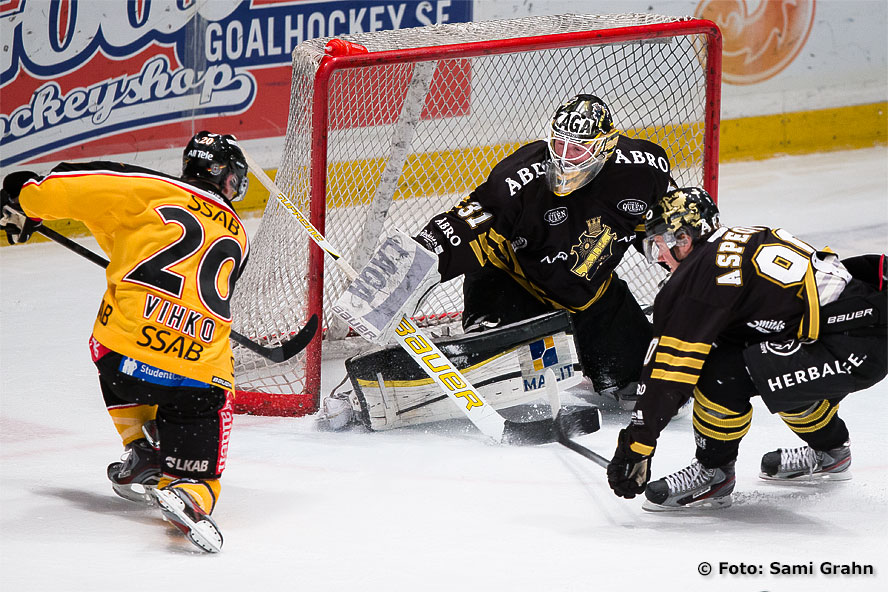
(154,272)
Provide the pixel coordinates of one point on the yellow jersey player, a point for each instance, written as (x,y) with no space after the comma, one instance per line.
(161,335)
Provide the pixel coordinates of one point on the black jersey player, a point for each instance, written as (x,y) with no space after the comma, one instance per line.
(748,311)
(546,231)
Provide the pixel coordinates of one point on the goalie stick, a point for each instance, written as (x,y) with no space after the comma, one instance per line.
(423,351)
(278,354)
(560,436)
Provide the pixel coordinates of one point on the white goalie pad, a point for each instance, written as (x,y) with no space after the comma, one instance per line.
(506,366)
(392,284)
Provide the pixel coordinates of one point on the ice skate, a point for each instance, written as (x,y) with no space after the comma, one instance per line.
(183,512)
(806,464)
(137,473)
(695,486)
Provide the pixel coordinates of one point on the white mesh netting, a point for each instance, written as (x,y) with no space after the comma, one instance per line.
(407,139)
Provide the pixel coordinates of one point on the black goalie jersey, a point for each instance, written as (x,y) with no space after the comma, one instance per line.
(740,286)
(563,250)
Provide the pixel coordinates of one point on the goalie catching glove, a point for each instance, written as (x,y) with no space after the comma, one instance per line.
(393,284)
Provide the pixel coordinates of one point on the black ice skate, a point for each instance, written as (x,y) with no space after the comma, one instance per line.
(806,464)
(138,472)
(694,486)
(180,510)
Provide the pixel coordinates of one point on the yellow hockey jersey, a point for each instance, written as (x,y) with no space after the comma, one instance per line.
(175,252)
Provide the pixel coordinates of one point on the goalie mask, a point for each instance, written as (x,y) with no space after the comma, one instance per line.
(581,138)
(219,160)
(682,216)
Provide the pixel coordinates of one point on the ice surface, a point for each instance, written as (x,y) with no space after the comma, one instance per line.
(424,509)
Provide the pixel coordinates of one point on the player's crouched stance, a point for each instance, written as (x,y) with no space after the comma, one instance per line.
(160,340)
(749,311)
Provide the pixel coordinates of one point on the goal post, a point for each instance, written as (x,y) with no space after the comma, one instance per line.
(396,126)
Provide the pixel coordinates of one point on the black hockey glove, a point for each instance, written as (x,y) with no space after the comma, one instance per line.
(629,471)
(18,226)
(13,220)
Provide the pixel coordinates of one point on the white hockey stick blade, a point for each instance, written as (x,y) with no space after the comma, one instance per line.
(552,392)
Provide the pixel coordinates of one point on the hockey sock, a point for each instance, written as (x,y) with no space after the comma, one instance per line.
(718,430)
(818,425)
(129,419)
(204,492)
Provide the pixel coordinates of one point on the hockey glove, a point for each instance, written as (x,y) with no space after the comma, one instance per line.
(629,470)
(18,226)
(393,284)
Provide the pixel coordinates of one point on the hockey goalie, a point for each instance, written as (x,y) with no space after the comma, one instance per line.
(545,232)
(507,365)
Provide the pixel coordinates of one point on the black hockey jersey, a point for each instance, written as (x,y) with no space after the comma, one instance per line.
(563,250)
(741,286)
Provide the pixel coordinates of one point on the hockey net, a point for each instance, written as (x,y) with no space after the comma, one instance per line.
(400,132)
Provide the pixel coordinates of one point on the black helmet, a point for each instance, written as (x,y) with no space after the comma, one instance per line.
(685,212)
(581,138)
(219,160)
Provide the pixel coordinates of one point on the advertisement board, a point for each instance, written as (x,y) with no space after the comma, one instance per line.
(81,80)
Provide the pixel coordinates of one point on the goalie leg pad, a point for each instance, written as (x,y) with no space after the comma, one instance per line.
(506,365)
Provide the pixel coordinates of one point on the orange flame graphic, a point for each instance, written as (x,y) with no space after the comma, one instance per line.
(760,44)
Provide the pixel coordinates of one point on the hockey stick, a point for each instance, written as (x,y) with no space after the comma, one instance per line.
(422,350)
(402,139)
(560,436)
(278,354)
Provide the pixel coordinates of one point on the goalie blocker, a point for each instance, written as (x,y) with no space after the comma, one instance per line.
(507,365)
(398,276)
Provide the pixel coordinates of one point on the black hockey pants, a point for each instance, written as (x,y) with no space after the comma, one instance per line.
(803,383)
(193,423)
(612,335)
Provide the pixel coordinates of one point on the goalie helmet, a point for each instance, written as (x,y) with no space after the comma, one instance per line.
(581,138)
(218,160)
(687,213)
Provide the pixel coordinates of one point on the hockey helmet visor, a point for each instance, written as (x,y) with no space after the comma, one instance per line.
(581,137)
(684,214)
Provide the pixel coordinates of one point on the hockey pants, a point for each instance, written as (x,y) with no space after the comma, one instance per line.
(803,383)
(611,335)
(193,423)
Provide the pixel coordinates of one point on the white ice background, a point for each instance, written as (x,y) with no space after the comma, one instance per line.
(433,508)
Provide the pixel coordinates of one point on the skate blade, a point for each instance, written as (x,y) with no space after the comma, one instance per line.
(134,492)
(203,533)
(815,478)
(719,503)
